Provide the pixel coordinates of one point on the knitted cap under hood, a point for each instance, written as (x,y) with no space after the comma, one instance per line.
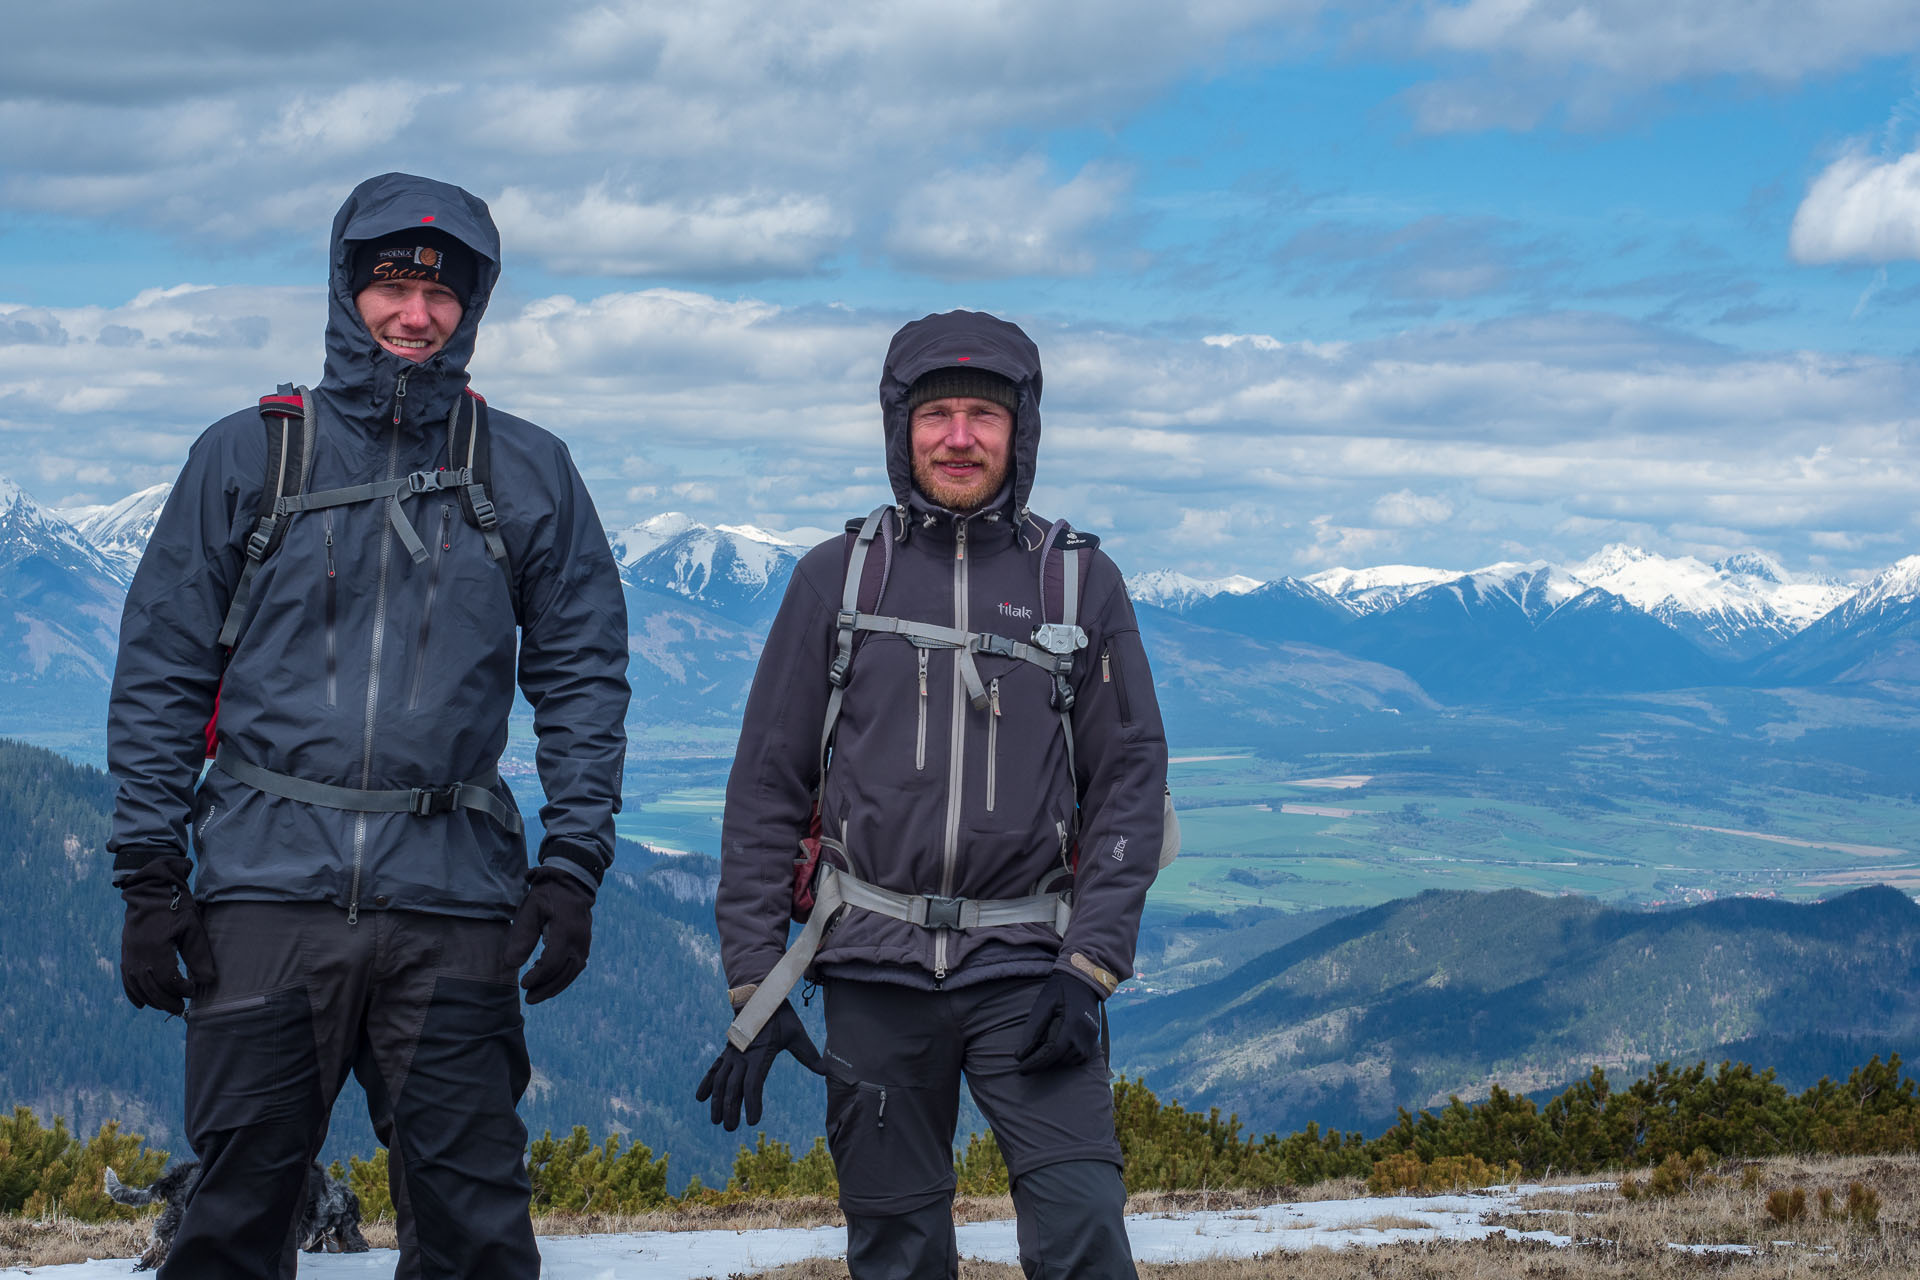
(961,339)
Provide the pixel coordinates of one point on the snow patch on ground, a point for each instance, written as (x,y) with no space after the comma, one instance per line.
(1176,1237)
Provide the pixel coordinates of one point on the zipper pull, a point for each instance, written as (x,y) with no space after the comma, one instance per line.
(446,520)
(923,673)
(400,395)
(993,695)
(1106,666)
(960,546)
(353,913)
(329,550)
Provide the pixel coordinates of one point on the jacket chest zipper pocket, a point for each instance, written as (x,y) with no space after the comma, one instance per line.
(1109,676)
(441,545)
(333,661)
(920,735)
(993,737)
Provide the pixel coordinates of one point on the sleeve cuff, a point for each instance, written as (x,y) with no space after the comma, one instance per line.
(575,860)
(1092,974)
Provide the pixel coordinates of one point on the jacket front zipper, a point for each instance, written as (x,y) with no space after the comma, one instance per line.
(376,645)
(333,662)
(920,738)
(442,545)
(956,747)
(993,737)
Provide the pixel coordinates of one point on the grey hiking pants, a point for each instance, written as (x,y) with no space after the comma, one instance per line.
(428,1002)
(896,1056)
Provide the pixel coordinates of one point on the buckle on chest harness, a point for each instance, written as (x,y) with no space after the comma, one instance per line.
(425,802)
(1059,638)
(943,913)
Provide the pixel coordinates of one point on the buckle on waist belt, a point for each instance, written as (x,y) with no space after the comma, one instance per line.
(425,802)
(943,913)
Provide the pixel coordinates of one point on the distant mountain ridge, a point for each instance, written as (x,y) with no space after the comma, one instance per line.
(120,530)
(1343,643)
(60,600)
(1449,992)
(1733,609)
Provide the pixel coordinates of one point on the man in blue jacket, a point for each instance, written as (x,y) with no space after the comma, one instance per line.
(348,881)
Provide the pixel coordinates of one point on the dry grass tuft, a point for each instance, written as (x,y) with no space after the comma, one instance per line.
(49,1242)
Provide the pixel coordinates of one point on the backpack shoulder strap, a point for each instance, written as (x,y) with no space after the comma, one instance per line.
(1065,555)
(287,418)
(470,449)
(865,573)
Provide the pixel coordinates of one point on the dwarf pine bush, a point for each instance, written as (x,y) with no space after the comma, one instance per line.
(47,1170)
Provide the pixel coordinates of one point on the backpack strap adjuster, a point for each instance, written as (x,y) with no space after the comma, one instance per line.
(261,538)
(942,913)
(426,802)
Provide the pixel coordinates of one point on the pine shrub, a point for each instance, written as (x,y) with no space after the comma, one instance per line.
(47,1170)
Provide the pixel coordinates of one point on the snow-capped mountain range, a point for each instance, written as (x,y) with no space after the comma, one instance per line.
(1737,607)
(738,569)
(1499,630)
(120,530)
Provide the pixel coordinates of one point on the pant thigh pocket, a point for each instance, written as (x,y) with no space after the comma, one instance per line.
(250,1060)
(472,1038)
(892,1146)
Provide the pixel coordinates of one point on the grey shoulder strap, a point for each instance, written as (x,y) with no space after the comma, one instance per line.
(846,626)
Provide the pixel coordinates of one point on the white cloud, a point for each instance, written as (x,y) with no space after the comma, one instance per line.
(1405,509)
(600,233)
(721,141)
(352,120)
(1651,40)
(1512,61)
(1009,221)
(1860,209)
(1248,456)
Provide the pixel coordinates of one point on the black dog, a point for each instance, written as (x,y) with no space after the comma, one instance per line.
(329,1220)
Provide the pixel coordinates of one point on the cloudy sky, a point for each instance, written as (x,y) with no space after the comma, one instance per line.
(1436,282)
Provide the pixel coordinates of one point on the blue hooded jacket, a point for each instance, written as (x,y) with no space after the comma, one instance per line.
(354,665)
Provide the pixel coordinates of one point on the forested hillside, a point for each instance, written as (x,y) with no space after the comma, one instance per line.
(622,1049)
(1451,992)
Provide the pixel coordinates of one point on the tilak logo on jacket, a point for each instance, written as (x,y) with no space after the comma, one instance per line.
(1012,610)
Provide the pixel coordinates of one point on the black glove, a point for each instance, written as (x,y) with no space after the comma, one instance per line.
(735,1075)
(1063,1028)
(558,910)
(162,921)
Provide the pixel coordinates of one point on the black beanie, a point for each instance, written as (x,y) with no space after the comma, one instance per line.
(416,253)
(963,380)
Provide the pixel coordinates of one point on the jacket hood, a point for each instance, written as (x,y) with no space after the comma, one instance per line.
(961,339)
(358,368)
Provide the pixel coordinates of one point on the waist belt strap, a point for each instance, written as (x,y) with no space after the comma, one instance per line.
(835,889)
(420,801)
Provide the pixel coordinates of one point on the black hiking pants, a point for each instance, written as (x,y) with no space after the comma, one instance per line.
(428,1002)
(896,1056)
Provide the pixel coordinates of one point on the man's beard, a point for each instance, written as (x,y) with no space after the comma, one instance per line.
(964,498)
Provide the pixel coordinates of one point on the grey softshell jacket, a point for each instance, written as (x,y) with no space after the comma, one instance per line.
(355,665)
(930,794)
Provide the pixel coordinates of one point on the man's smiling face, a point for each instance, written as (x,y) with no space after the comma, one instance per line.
(962,447)
(411,318)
